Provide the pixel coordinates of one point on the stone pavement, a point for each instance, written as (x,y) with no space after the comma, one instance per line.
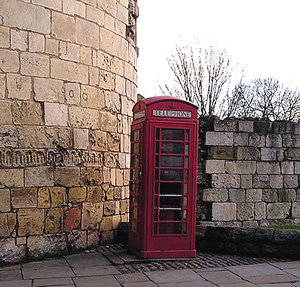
(109,267)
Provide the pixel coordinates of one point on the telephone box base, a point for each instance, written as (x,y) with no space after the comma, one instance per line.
(164,253)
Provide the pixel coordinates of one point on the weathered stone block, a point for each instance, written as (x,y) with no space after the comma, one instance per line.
(246,181)
(31,221)
(268,154)
(223,211)
(276,181)
(39,176)
(81,138)
(4,37)
(290,140)
(221,153)
(107,223)
(27,113)
(53,220)
(48,90)
(261,181)
(79,9)
(35,64)
(85,118)
(9,61)
(259,210)
(292,154)
(52,46)
(113,141)
(34,18)
(297,167)
(10,252)
(72,93)
(91,176)
(113,103)
(240,167)
(72,219)
(77,194)
(67,176)
(240,139)
(69,71)
(273,140)
(86,55)
(5,111)
(287,167)
(245,211)
(296,209)
(278,210)
(19,40)
(287,195)
(226,181)
(219,138)
(44,198)
(63,27)
(263,127)
(237,195)
(83,30)
(257,140)
(77,239)
(268,168)
(4,200)
(270,195)
(297,128)
(215,195)
(2,86)
(248,153)
(24,197)
(46,245)
(290,181)
(92,214)
(95,194)
(56,114)
(11,178)
(7,224)
(253,195)
(246,126)
(215,166)
(108,122)
(92,97)
(19,87)
(69,51)
(36,43)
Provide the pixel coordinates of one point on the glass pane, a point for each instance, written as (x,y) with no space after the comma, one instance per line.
(187,136)
(157,161)
(136,148)
(155,228)
(171,215)
(156,201)
(156,174)
(184,228)
(172,134)
(170,202)
(185,188)
(185,202)
(186,164)
(170,228)
(171,174)
(157,147)
(155,214)
(172,148)
(157,134)
(187,149)
(171,161)
(171,188)
(134,226)
(135,174)
(185,215)
(186,175)
(135,161)
(156,188)
(136,135)
(134,199)
(135,213)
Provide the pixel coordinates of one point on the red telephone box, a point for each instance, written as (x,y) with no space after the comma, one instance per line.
(163,178)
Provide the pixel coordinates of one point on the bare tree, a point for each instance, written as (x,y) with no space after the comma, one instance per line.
(200,76)
(263,98)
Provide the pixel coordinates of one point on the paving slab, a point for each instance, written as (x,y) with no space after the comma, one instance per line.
(246,271)
(277,285)
(244,284)
(221,277)
(132,278)
(140,284)
(10,275)
(96,281)
(52,282)
(95,270)
(287,265)
(198,283)
(273,278)
(174,276)
(16,283)
(87,260)
(57,262)
(50,272)
(295,272)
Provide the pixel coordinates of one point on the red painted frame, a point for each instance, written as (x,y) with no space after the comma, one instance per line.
(150,114)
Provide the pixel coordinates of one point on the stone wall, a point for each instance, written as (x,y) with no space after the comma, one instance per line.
(249,173)
(67,87)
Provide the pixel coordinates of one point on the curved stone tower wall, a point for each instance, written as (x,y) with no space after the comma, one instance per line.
(67,87)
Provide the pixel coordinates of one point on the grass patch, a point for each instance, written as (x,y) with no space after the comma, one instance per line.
(286,227)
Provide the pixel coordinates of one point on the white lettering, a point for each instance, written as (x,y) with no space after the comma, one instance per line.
(172,114)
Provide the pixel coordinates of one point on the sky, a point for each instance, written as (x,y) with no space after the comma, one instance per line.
(262,36)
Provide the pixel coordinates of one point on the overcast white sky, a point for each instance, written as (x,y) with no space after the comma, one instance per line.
(261,35)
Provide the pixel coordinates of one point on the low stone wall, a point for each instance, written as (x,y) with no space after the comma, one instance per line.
(249,173)
(249,241)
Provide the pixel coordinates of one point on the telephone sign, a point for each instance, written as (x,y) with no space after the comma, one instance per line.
(163,178)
